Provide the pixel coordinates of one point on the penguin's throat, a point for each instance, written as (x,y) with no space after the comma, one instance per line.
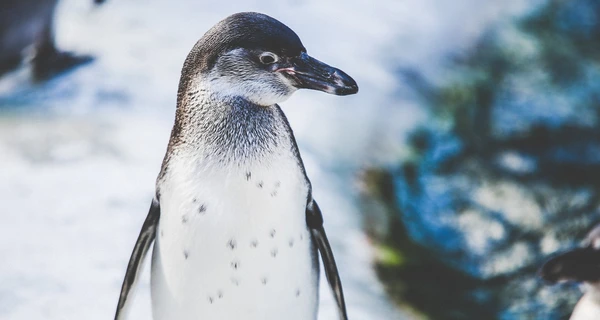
(231,128)
(262,92)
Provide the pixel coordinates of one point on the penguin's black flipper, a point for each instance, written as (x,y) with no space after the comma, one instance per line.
(144,240)
(314,220)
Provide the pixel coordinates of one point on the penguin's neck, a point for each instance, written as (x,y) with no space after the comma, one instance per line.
(227,128)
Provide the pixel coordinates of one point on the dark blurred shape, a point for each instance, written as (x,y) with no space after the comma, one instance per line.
(29,23)
(506,170)
(579,265)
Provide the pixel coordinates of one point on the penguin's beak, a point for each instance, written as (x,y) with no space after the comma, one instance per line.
(309,73)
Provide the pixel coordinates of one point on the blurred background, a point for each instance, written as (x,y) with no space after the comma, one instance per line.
(470,155)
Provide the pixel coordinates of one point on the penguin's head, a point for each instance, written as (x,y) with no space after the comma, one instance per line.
(579,265)
(255,57)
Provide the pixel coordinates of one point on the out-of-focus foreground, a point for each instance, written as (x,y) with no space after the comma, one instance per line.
(468,157)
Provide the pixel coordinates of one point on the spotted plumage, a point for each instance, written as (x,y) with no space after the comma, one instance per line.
(233,176)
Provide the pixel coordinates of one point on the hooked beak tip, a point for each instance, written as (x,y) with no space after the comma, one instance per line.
(345,84)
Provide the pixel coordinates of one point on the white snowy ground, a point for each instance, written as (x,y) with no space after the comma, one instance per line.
(79,155)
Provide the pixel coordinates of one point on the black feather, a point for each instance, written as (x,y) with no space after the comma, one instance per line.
(145,239)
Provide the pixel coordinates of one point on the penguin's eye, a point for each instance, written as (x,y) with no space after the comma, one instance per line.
(268,58)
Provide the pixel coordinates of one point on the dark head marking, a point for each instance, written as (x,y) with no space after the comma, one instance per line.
(248,30)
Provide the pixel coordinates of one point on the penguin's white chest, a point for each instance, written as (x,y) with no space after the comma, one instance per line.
(232,243)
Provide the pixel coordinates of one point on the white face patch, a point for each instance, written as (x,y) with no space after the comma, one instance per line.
(235,75)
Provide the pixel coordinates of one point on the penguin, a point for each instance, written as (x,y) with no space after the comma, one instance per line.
(26,23)
(236,230)
(579,265)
